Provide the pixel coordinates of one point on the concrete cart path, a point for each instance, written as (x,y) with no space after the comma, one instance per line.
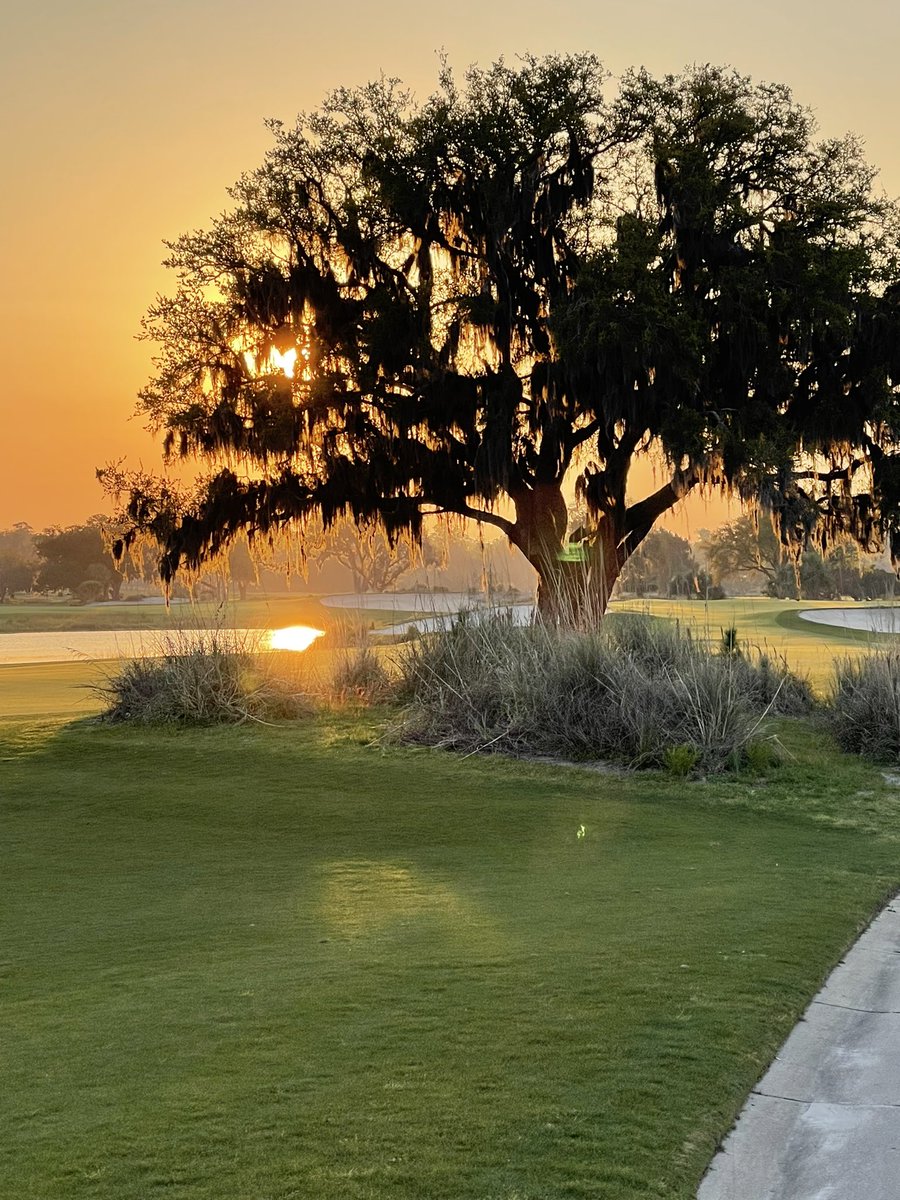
(824,1122)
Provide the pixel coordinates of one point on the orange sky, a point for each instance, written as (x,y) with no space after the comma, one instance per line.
(123,121)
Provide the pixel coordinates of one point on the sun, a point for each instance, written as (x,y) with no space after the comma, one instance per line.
(284,362)
(275,360)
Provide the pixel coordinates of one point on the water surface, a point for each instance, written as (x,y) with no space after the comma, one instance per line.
(90,645)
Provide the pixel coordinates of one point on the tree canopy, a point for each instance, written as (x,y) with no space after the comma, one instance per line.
(471,304)
(374,564)
(752,546)
(18,560)
(661,558)
(745,545)
(72,558)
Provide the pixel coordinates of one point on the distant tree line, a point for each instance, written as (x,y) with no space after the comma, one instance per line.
(748,546)
(745,552)
(77,560)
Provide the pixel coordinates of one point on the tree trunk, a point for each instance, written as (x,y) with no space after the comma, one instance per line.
(575,591)
(574,584)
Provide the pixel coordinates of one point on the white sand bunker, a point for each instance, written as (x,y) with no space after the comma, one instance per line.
(873,620)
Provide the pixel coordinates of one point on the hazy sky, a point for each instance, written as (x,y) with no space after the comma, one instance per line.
(122,122)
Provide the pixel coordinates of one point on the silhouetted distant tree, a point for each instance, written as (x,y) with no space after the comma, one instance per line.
(810,579)
(878,584)
(449,307)
(744,545)
(242,569)
(845,564)
(75,556)
(664,556)
(18,560)
(374,564)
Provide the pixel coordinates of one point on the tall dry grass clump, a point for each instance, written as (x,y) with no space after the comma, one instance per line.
(359,674)
(201,678)
(863,710)
(635,692)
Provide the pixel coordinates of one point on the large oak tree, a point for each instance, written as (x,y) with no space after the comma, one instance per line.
(459,306)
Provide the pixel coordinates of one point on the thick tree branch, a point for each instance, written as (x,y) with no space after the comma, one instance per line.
(640,517)
(846,473)
(580,436)
(476,514)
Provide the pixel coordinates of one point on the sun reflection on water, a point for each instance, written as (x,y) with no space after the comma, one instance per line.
(294,637)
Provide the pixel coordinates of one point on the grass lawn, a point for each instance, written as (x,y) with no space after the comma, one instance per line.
(770,625)
(63,616)
(283,963)
(49,690)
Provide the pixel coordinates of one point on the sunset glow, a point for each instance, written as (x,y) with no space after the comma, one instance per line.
(181,146)
(294,637)
(275,362)
(284,362)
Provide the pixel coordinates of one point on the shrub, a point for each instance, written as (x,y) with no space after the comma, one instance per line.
(680,760)
(863,712)
(90,591)
(360,674)
(772,685)
(767,680)
(200,679)
(762,756)
(637,692)
(728,643)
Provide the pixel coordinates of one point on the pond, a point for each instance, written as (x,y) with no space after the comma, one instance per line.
(89,645)
(414,602)
(521,614)
(436,610)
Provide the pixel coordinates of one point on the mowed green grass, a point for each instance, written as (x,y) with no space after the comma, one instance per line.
(282,963)
(772,626)
(261,613)
(50,690)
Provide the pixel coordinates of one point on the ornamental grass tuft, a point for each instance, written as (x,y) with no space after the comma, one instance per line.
(863,712)
(201,678)
(635,692)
